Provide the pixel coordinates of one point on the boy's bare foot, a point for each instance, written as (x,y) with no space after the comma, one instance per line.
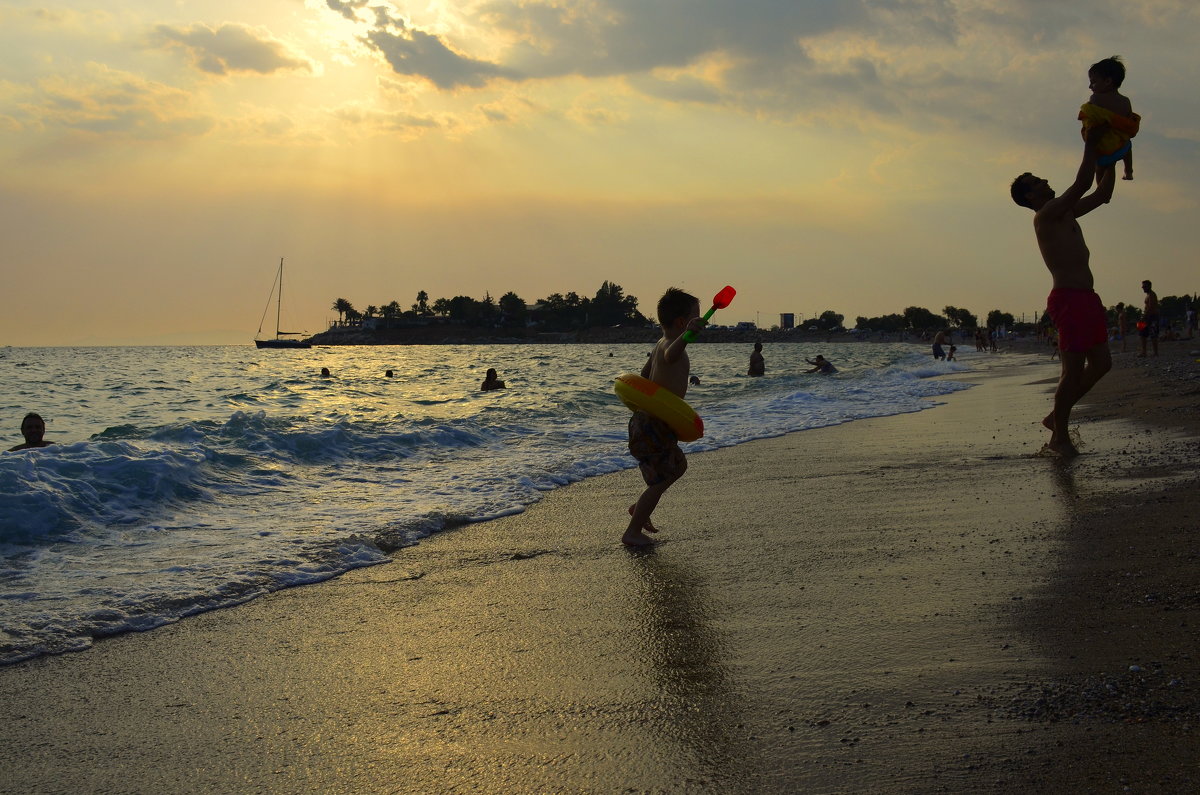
(650,528)
(637,540)
(1048,422)
(1064,449)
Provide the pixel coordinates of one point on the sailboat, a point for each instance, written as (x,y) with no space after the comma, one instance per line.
(279,341)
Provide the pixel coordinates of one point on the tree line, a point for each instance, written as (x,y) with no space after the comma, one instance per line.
(612,307)
(557,312)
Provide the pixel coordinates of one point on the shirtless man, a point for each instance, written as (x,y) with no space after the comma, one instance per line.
(1077,312)
(1149,328)
(939,340)
(33,428)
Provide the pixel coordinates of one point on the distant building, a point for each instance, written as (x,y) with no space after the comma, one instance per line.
(787,320)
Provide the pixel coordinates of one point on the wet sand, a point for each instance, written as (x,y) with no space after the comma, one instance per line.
(907,604)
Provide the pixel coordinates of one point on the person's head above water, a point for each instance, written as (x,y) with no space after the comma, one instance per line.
(33,428)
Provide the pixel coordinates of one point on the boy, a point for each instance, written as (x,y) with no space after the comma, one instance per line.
(651,441)
(1109,106)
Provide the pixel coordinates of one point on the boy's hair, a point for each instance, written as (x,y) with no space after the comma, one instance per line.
(675,303)
(1020,194)
(1112,68)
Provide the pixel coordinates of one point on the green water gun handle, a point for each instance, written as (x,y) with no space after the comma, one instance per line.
(720,301)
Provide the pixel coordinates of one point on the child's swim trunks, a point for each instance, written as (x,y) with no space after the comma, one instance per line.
(1079,317)
(656,447)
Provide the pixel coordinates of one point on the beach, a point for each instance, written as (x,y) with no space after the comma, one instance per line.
(910,603)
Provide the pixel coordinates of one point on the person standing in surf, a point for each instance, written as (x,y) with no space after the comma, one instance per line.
(1077,312)
(651,441)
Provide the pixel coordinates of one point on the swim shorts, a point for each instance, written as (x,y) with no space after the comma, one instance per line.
(656,448)
(1079,317)
(1149,327)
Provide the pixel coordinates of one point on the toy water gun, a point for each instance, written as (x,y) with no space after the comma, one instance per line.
(720,301)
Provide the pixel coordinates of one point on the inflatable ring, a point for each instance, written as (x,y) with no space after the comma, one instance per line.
(642,394)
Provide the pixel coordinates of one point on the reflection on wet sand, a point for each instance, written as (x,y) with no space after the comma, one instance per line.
(688,662)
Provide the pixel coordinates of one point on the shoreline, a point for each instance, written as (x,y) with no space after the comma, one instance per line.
(904,603)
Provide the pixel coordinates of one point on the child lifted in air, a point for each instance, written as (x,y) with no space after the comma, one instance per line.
(1109,106)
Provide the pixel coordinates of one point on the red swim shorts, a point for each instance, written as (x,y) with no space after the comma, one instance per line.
(1079,317)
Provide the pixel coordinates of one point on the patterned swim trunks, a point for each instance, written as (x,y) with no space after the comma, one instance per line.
(656,448)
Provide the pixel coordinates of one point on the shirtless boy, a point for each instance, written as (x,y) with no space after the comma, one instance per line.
(651,441)
(1109,106)
(1076,310)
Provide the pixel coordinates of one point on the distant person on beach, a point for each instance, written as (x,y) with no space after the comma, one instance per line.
(651,441)
(821,365)
(939,339)
(1189,320)
(33,428)
(491,380)
(758,366)
(1122,323)
(950,355)
(1148,328)
(1077,312)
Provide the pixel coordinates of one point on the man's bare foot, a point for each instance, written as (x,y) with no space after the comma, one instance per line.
(650,528)
(1048,422)
(1127,176)
(637,540)
(1064,448)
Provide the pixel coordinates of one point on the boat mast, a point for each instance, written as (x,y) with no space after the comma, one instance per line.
(279,298)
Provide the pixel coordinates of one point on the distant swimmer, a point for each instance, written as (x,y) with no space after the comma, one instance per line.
(388,374)
(325,373)
(758,365)
(950,356)
(821,365)
(491,381)
(694,380)
(33,428)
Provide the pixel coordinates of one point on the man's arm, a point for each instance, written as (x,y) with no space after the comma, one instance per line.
(1101,195)
(1063,205)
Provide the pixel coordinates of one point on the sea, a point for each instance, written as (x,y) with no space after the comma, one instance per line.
(186,479)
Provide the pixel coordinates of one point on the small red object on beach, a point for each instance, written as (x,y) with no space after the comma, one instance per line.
(1141,325)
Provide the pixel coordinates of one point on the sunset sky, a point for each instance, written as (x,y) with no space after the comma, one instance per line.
(158,158)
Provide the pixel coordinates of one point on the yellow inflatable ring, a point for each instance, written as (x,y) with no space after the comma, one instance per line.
(642,394)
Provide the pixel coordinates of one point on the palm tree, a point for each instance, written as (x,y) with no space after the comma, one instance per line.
(343,308)
(421,307)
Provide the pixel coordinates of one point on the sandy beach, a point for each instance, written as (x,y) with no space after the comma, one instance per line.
(916,603)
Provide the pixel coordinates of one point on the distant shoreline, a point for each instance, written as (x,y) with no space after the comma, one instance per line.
(446,334)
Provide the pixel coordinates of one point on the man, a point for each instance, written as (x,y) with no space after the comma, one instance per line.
(939,340)
(33,428)
(1076,310)
(1149,327)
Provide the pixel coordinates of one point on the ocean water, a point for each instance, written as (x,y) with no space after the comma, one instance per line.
(186,479)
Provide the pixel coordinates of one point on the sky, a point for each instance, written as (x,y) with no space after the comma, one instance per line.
(158,158)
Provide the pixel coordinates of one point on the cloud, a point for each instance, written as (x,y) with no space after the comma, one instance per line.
(103,102)
(414,52)
(232,47)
